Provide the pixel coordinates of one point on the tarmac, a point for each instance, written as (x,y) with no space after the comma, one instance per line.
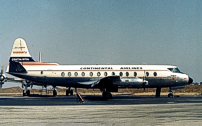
(120,110)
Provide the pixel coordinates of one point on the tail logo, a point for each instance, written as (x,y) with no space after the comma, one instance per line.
(20,52)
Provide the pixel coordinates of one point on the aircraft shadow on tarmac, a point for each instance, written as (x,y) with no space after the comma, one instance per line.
(48,100)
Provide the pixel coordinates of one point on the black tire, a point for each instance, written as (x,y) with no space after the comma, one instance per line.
(67,92)
(28,92)
(23,93)
(71,92)
(107,95)
(104,95)
(170,95)
(54,93)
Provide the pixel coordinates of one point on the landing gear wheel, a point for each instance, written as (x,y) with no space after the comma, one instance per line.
(54,93)
(28,92)
(71,92)
(170,95)
(107,95)
(23,93)
(67,92)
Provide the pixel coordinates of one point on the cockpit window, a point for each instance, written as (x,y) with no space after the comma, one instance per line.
(174,70)
(171,69)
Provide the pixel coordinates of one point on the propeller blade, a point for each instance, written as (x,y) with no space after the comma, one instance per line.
(0,87)
(2,70)
(1,77)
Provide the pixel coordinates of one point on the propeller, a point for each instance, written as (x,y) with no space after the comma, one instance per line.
(2,78)
(145,82)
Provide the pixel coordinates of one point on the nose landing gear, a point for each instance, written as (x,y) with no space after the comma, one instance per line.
(170,95)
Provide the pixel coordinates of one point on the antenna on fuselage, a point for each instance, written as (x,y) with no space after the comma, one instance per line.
(144,63)
(39,56)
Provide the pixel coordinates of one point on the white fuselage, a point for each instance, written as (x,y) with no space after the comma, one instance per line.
(130,75)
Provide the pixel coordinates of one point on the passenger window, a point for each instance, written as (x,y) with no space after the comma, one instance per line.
(105,73)
(83,74)
(127,74)
(75,74)
(147,74)
(69,74)
(62,74)
(155,74)
(41,72)
(91,74)
(113,73)
(135,74)
(121,74)
(98,74)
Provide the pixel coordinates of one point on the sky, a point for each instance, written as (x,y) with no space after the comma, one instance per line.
(106,32)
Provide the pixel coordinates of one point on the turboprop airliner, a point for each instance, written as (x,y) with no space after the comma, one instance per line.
(107,78)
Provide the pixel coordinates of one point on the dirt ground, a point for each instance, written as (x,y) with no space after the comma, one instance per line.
(188,90)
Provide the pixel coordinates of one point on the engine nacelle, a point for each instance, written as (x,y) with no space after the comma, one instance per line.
(133,82)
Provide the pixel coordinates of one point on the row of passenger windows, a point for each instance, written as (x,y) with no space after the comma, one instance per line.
(105,74)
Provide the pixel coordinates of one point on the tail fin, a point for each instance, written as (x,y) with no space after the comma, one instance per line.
(20,52)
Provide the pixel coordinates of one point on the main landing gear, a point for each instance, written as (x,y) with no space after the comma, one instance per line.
(158,92)
(69,92)
(54,91)
(106,94)
(25,92)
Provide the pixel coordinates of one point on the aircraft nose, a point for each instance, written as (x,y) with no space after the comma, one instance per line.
(190,80)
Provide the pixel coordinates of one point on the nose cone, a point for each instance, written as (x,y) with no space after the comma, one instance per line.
(190,80)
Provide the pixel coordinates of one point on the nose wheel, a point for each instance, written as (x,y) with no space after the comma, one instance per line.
(170,95)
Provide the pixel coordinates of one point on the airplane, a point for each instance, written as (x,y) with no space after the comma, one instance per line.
(107,78)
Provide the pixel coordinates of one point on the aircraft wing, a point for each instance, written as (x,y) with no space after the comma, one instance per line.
(103,82)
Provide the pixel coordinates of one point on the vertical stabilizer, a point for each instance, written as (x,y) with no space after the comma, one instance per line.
(20,52)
